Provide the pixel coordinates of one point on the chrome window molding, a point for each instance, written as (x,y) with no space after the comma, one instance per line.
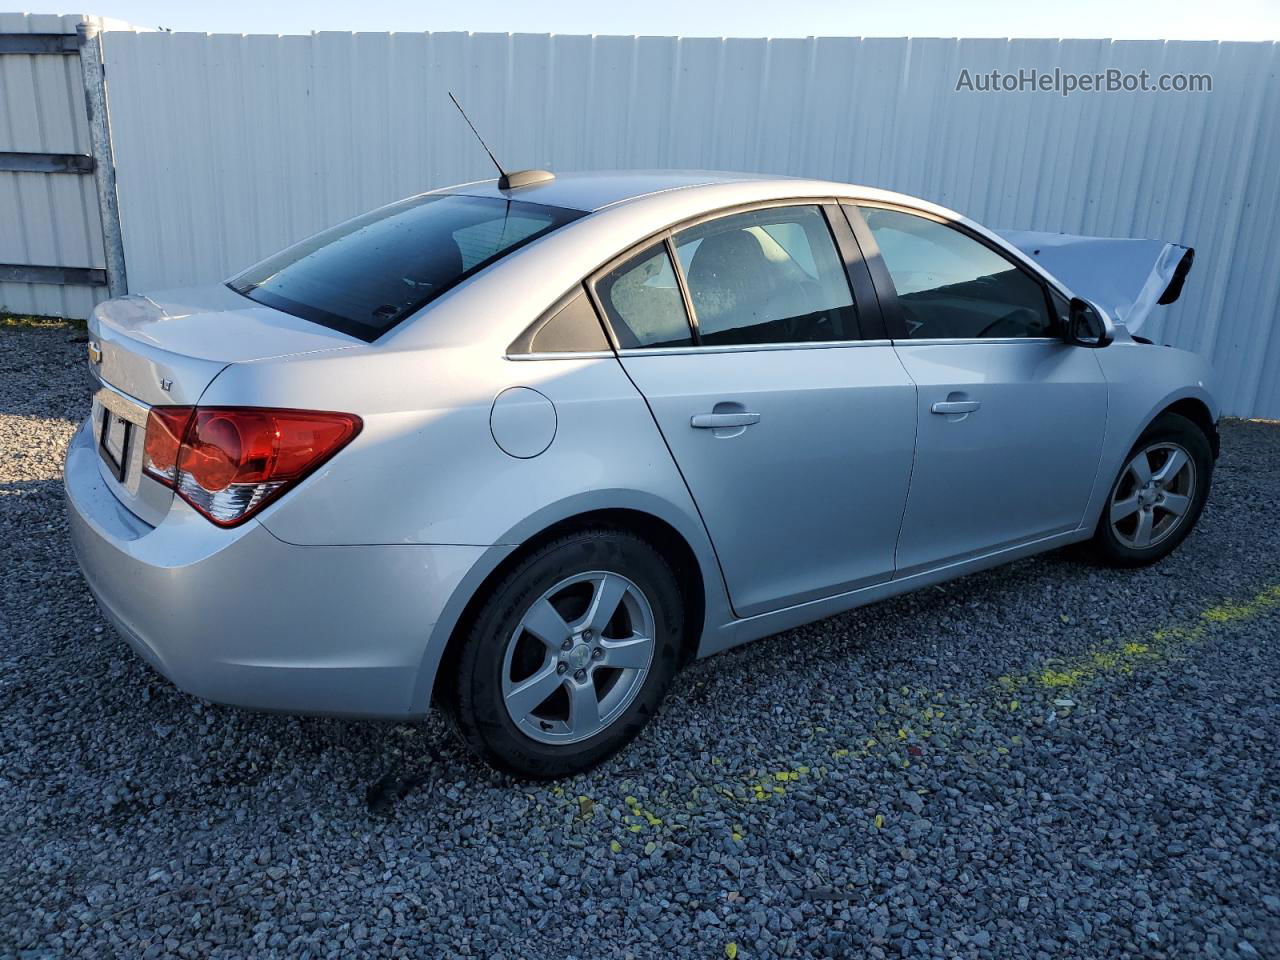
(939,341)
(769,347)
(566,355)
(752,347)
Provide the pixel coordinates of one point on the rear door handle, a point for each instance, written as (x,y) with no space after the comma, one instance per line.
(955,406)
(713,421)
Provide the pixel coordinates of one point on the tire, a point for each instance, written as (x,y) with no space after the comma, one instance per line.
(562,590)
(1121,539)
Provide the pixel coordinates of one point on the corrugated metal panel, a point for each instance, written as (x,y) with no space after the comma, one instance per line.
(229,147)
(48,220)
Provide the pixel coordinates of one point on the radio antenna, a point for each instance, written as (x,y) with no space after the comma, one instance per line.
(501,173)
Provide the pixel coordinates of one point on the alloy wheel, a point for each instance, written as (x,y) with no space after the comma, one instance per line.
(578,657)
(1153,496)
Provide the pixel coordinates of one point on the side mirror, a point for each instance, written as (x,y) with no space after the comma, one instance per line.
(1088,326)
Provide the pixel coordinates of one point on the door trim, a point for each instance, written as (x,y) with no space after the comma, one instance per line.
(871,323)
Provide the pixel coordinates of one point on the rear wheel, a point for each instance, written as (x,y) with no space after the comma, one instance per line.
(1158,496)
(570,655)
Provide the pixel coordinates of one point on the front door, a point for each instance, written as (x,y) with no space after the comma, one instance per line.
(794,434)
(1010,417)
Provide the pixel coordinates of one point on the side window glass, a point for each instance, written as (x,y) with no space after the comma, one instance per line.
(642,301)
(950,286)
(767,276)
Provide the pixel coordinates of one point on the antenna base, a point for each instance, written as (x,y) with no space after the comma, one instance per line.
(524,178)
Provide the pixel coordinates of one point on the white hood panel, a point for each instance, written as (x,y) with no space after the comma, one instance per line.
(1126,278)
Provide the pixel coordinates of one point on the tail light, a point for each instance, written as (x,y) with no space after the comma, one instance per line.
(230,462)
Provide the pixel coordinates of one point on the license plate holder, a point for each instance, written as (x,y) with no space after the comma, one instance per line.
(114,444)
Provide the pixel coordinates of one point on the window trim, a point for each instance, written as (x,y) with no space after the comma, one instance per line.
(824,204)
(882,309)
(871,323)
(661,238)
(749,347)
(518,348)
(683,286)
(887,290)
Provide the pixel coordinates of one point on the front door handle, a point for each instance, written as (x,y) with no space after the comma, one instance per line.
(714,421)
(955,406)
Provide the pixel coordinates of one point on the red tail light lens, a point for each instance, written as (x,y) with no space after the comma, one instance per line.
(230,462)
(165,429)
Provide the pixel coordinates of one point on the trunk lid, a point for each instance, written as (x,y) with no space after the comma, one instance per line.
(184,338)
(166,348)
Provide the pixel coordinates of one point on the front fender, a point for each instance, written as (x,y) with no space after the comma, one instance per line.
(1143,381)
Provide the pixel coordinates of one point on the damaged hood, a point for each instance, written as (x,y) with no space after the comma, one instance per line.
(1126,278)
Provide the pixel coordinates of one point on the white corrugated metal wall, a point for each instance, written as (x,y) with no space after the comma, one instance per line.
(229,147)
(46,219)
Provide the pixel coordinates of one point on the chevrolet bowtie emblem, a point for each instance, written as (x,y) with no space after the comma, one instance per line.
(95,352)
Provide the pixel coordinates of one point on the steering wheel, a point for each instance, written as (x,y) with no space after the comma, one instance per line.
(1010,316)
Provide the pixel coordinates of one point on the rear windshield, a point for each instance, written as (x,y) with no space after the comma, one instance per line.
(364,276)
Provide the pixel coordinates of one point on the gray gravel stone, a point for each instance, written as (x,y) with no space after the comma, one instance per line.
(885,783)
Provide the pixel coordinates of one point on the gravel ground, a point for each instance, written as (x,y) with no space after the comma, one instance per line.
(1047,760)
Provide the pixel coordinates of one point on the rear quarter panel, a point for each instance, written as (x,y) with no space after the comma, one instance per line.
(426,468)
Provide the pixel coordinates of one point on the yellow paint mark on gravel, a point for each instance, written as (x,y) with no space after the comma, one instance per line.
(637,816)
(917,725)
(1110,658)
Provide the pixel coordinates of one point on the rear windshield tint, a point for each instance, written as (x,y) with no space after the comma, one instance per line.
(364,276)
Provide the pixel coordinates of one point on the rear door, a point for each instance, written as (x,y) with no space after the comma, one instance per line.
(1011,417)
(786,409)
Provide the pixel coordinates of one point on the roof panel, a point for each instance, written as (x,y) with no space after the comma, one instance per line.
(593,190)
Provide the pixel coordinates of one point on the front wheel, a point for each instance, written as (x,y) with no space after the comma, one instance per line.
(570,655)
(1158,496)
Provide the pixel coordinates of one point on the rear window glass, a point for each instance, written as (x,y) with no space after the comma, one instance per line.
(364,276)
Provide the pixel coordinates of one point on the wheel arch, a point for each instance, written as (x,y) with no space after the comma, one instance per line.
(1197,411)
(1139,395)
(698,585)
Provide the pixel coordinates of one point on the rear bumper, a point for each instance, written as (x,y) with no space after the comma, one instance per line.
(240,617)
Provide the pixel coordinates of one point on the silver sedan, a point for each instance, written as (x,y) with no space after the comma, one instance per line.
(523,452)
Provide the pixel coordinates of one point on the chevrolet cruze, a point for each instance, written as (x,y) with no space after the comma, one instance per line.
(522,448)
